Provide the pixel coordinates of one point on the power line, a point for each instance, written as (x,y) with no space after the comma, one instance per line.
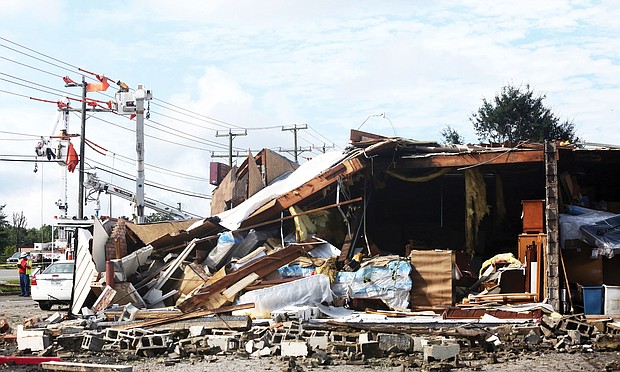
(151,136)
(37,89)
(31,56)
(162,170)
(32,50)
(20,134)
(208,118)
(157,185)
(163,104)
(191,138)
(320,134)
(32,67)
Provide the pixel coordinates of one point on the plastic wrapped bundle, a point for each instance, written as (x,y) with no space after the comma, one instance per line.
(312,290)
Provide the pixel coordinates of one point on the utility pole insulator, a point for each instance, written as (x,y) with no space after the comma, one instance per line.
(295,128)
(231,135)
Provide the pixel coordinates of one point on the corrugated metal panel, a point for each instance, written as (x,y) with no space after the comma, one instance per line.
(84,271)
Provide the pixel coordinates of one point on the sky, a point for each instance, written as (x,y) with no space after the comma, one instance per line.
(256,67)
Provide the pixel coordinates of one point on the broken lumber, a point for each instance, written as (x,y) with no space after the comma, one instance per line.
(26,360)
(504,297)
(230,322)
(176,318)
(261,267)
(84,367)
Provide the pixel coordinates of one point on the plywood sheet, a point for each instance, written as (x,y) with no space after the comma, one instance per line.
(255,179)
(431,274)
(223,193)
(84,271)
(276,165)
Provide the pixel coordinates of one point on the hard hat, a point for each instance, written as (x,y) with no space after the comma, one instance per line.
(24,254)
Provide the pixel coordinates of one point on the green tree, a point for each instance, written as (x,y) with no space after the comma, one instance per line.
(19,227)
(34,235)
(158,217)
(451,136)
(4,230)
(518,115)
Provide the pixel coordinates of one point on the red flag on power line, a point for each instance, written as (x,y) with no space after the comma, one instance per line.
(72,158)
(68,81)
(98,87)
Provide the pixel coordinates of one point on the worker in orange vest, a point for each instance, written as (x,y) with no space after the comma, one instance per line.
(23,267)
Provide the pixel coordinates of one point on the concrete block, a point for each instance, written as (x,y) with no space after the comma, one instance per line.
(585,329)
(152,341)
(111,334)
(265,352)
(363,338)
(197,331)
(34,340)
(604,342)
(575,336)
(532,339)
(129,312)
(150,345)
(93,343)
(371,349)
(294,348)
(226,332)
(54,318)
(87,312)
(419,343)
(70,342)
(344,337)
(318,340)
(441,352)
(70,330)
(225,343)
(294,313)
(395,342)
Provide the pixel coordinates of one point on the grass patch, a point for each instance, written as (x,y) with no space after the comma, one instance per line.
(9,286)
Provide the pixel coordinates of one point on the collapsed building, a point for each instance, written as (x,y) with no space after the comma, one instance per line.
(389,227)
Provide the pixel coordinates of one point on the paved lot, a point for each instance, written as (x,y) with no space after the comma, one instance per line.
(7,274)
(16,309)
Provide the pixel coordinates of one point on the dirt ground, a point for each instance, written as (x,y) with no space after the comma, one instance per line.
(16,309)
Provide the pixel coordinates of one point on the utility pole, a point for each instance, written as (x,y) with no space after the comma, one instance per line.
(294,129)
(325,147)
(295,151)
(235,154)
(82,154)
(231,135)
(140,97)
(129,103)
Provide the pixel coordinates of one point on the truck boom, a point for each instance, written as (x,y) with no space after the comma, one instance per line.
(98,186)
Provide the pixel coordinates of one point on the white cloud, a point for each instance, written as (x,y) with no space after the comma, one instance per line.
(330,65)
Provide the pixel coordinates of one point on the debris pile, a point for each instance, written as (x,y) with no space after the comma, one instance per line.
(298,334)
(304,266)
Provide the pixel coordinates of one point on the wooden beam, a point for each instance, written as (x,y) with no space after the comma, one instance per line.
(176,318)
(309,188)
(84,367)
(277,220)
(470,159)
(261,267)
(238,323)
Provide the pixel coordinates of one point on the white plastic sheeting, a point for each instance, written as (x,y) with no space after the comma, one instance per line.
(390,282)
(231,219)
(312,290)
